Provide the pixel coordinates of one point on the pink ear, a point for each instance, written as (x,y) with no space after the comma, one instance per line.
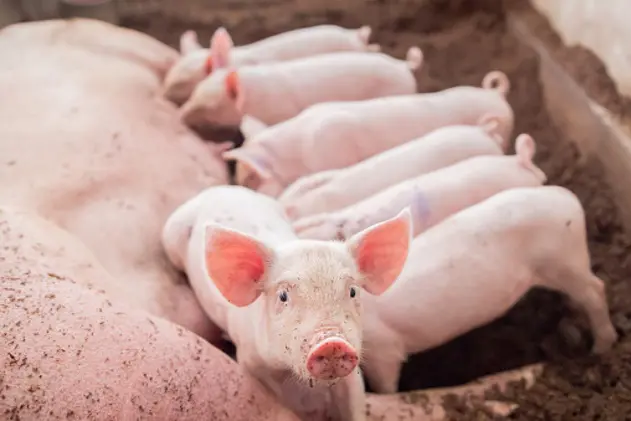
(255,163)
(220,46)
(382,250)
(234,89)
(189,43)
(251,126)
(236,263)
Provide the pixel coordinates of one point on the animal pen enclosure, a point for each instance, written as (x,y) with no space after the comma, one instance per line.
(564,97)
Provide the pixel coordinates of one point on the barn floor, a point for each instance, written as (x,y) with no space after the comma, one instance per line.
(460,46)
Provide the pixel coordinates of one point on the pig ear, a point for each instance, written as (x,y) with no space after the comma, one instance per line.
(256,167)
(220,47)
(234,89)
(382,250)
(236,263)
(189,42)
(251,126)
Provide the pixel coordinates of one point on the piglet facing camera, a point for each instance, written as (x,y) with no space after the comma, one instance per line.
(292,307)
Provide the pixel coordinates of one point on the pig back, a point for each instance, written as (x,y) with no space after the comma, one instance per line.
(438,149)
(340,76)
(398,119)
(503,228)
(479,262)
(246,211)
(101,37)
(298,43)
(91,146)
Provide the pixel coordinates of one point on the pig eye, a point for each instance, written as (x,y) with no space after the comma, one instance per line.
(353,292)
(283,297)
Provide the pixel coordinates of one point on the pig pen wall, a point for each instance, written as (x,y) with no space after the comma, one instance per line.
(462,41)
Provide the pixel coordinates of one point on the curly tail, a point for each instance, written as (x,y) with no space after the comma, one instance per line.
(491,124)
(497,81)
(414,58)
(364,34)
(525,149)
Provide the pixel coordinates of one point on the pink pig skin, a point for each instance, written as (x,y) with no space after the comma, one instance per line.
(432,197)
(274,92)
(241,257)
(473,267)
(341,134)
(193,67)
(331,190)
(251,126)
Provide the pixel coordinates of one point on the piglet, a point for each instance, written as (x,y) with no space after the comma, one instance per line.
(331,190)
(432,197)
(197,62)
(473,267)
(274,92)
(292,307)
(251,126)
(340,134)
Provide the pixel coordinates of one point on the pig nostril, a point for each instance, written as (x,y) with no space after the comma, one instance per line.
(320,358)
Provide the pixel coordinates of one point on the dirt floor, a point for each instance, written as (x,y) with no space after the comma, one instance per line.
(460,46)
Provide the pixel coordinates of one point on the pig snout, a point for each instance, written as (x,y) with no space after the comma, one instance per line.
(332,358)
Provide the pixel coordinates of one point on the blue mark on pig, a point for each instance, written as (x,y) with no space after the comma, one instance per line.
(420,206)
(260,162)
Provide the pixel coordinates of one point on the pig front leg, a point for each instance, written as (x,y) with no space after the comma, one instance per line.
(382,363)
(384,351)
(383,373)
(349,398)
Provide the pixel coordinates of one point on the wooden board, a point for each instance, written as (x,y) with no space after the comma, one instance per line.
(590,126)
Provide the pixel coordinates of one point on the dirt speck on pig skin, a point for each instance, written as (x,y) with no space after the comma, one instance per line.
(461,42)
(67,353)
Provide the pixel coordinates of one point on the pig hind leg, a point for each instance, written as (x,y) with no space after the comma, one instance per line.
(587,292)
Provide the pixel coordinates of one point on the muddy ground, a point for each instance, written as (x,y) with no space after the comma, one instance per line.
(462,41)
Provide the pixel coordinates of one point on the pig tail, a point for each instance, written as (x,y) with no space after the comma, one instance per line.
(497,81)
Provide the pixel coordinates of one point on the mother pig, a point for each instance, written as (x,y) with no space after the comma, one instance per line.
(84,328)
(88,144)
